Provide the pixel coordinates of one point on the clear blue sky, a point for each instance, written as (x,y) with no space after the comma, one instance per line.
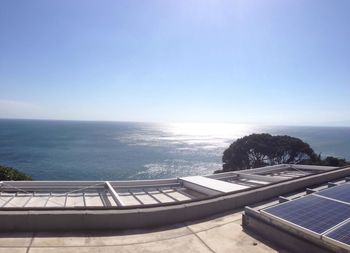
(266,62)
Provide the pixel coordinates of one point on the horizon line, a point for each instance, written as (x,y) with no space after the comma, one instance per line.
(184,122)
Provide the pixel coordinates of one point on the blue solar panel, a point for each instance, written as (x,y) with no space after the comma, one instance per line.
(341,192)
(342,234)
(312,212)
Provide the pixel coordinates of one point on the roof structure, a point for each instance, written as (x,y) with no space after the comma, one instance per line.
(113,194)
(111,205)
(319,218)
(265,195)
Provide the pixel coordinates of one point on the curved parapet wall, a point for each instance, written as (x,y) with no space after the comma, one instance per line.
(125,217)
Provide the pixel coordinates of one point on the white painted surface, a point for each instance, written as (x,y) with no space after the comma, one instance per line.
(214,184)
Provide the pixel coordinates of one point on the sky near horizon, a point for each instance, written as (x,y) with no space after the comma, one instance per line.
(249,61)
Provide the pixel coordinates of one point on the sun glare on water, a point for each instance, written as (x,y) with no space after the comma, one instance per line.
(222,130)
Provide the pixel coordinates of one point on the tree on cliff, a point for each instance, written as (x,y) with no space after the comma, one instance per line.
(259,150)
(11,174)
(333,161)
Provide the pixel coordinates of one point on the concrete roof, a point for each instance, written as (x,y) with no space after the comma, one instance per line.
(219,233)
(62,219)
(215,234)
(137,193)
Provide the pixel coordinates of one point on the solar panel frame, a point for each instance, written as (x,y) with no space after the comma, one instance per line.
(312,229)
(340,193)
(330,236)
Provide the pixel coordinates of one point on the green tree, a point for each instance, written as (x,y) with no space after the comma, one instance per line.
(333,161)
(11,174)
(259,150)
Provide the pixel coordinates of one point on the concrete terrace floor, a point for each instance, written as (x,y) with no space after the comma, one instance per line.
(215,234)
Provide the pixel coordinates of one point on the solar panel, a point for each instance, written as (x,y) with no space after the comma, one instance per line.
(341,234)
(312,213)
(341,192)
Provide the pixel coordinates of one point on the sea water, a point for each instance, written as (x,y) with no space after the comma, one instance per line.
(82,150)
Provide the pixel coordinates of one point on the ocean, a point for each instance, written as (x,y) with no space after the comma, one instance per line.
(82,150)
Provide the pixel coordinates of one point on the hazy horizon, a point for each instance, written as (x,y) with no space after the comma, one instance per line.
(199,123)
